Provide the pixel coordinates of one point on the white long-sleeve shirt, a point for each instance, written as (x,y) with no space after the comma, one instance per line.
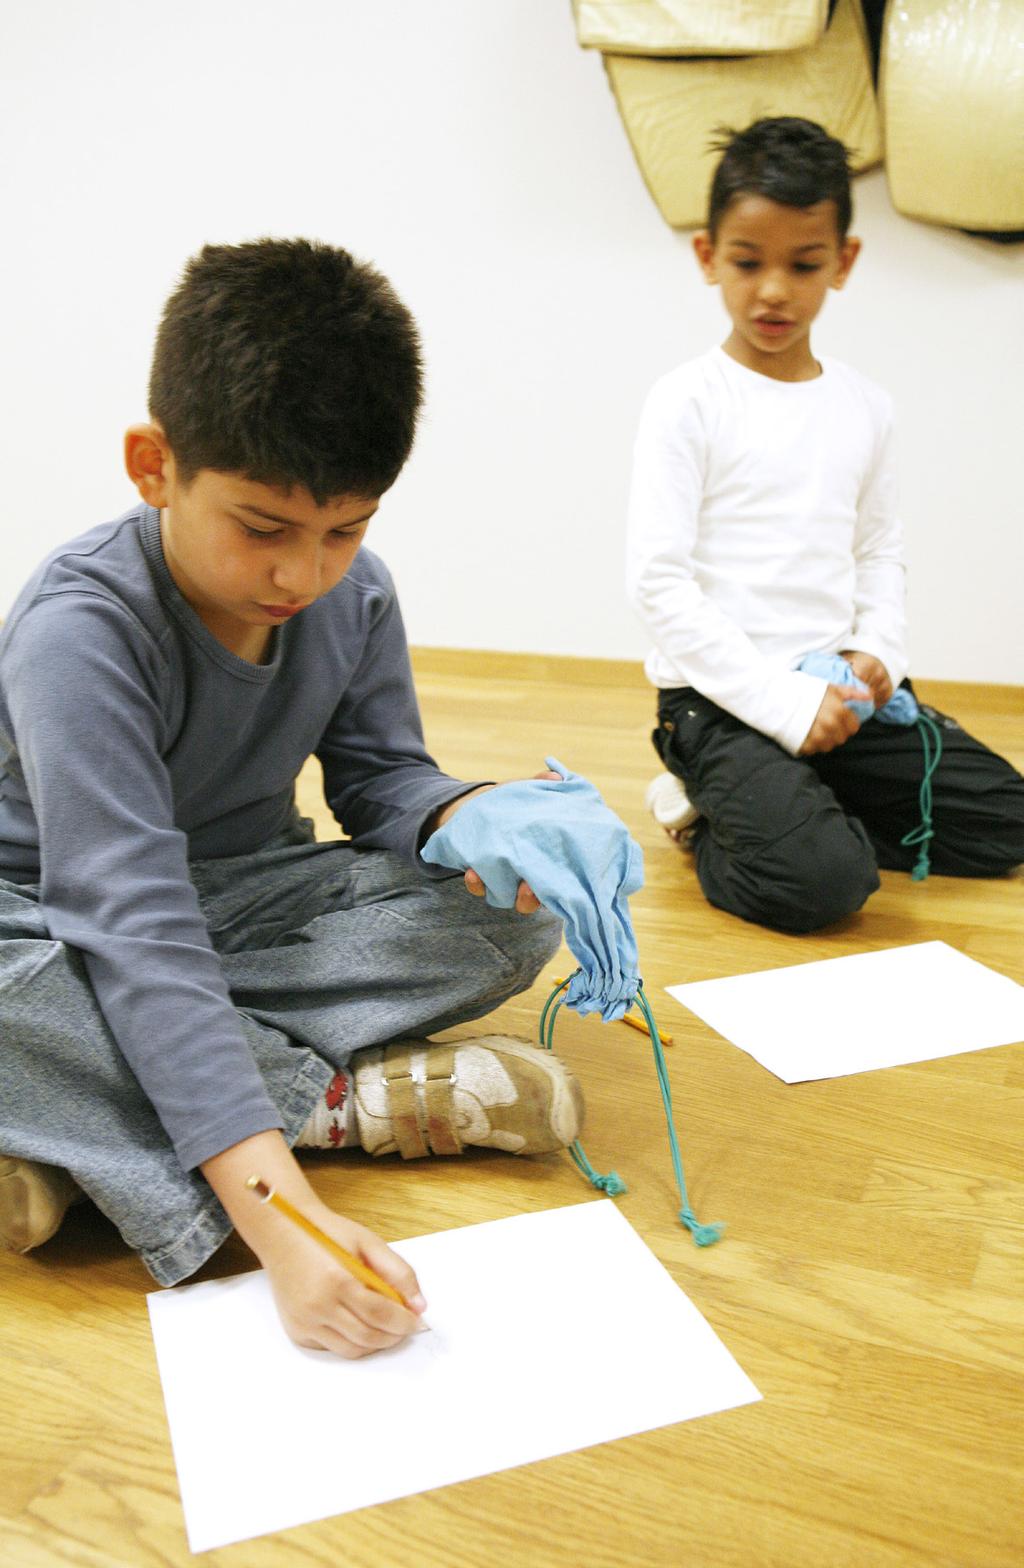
(763,527)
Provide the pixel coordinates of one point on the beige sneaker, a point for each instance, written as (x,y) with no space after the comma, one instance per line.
(33,1201)
(494,1092)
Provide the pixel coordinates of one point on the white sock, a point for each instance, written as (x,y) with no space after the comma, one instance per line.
(332,1122)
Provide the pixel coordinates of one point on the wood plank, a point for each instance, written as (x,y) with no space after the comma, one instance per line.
(870,1280)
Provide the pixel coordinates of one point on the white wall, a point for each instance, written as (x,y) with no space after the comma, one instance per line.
(474,151)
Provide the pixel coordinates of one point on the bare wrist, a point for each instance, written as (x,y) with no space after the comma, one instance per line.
(268,1156)
(444,813)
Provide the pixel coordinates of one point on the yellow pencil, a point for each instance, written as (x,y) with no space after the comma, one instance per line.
(634,1023)
(641,1024)
(356,1267)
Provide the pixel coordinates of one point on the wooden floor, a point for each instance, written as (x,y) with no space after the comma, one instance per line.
(871,1281)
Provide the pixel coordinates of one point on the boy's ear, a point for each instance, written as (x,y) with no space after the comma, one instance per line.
(704,250)
(848,253)
(149,462)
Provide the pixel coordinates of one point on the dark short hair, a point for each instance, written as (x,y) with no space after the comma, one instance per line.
(789,160)
(290,362)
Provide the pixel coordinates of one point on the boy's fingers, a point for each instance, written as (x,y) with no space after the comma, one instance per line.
(393,1268)
(335,1329)
(526,899)
(347,1328)
(358,1321)
(844,693)
(334,1344)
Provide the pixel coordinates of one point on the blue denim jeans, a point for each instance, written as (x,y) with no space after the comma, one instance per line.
(326,949)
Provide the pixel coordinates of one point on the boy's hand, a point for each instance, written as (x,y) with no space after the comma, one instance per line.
(320,1303)
(872,673)
(834,722)
(526,899)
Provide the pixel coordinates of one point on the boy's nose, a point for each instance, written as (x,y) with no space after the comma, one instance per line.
(773,288)
(297,575)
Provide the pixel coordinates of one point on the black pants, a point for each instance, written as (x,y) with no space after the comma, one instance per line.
(796,842)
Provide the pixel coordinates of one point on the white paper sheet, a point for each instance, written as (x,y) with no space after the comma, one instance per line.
(549,1332)
(853,1015)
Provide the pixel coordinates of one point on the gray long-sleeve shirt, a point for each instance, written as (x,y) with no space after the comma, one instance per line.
(132,741)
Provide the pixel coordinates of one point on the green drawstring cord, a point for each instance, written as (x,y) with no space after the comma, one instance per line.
(931,745)
(612,1184)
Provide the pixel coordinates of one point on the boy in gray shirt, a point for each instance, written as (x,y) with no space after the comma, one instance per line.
(191,984)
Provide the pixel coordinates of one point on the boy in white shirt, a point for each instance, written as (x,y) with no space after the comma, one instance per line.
(763,529)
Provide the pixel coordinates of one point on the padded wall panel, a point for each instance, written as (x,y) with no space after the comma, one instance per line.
(952,92)
(670,108)
(682,27)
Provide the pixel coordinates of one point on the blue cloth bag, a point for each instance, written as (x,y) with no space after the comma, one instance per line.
(579,859)
(900,709)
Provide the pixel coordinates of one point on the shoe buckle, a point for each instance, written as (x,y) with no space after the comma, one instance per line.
(421,1079)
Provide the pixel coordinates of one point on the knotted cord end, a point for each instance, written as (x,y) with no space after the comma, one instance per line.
(612,1184)
(703,1235)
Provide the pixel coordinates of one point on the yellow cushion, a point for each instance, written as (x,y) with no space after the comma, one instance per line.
(699,26)
(671,108)
(952,91)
